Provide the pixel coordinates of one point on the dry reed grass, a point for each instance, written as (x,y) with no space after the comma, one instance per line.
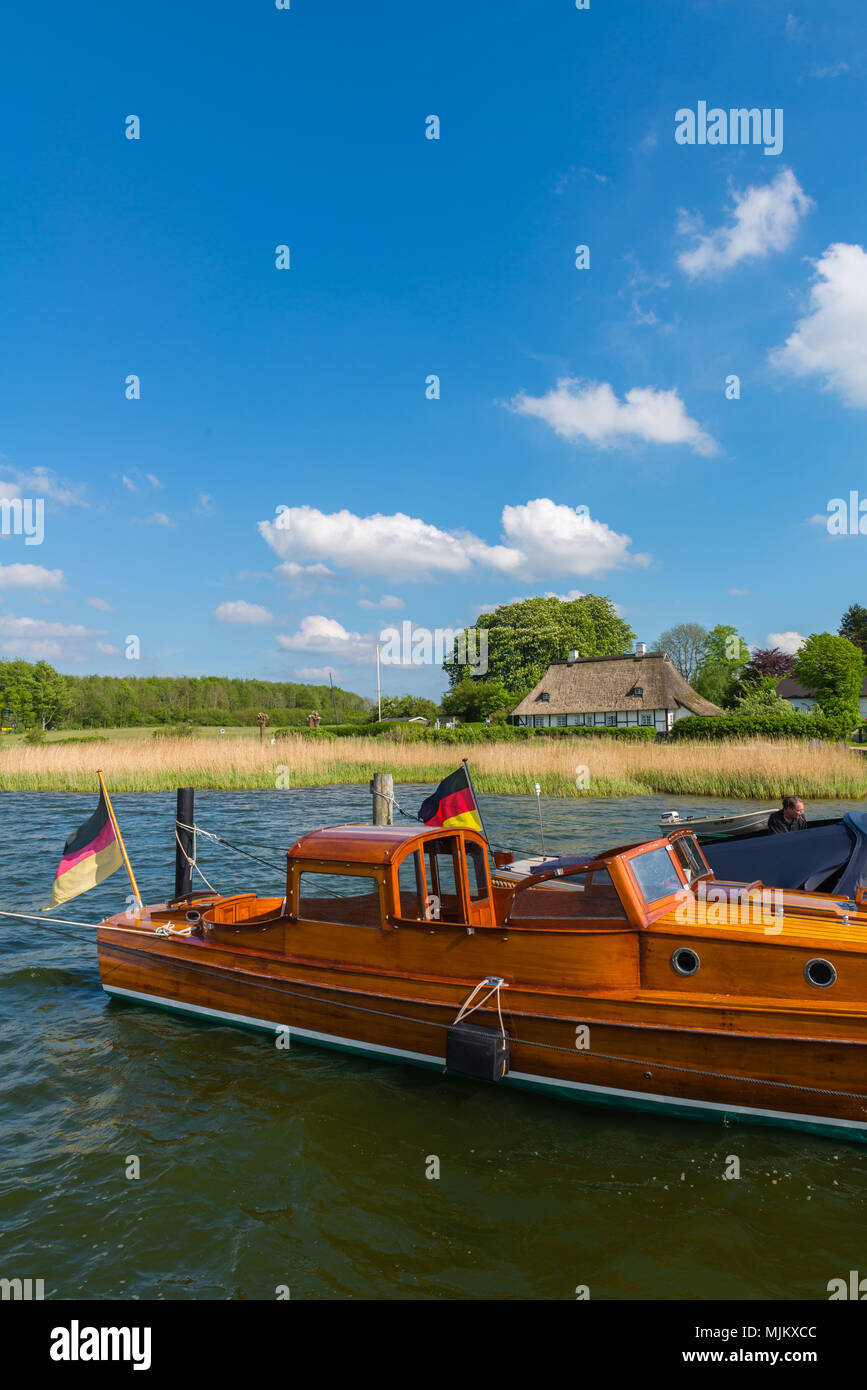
(755,769)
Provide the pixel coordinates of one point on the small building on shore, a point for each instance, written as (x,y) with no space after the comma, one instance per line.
(643,690)
(802,699)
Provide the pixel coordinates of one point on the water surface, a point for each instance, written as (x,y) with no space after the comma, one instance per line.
(306,1168)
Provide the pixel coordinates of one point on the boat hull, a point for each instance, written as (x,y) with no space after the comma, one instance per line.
(711,1061)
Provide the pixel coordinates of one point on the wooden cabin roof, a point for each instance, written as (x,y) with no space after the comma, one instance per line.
(362,844)
(595,684)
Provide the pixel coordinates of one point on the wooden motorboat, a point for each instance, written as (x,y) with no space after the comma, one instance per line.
(630,978)
(737,823)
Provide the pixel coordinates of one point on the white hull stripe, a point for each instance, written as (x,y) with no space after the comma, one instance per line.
(531,1079)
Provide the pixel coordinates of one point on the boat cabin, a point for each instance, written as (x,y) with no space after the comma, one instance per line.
(388,877)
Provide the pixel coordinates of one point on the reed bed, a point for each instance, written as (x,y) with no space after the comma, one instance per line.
(601,767)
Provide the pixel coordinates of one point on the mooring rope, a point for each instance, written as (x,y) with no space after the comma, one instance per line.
(496,984)
(210,835)
(193,863)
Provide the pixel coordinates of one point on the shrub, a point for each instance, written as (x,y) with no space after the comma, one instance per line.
(794,724)
(175,731)
(637,733)
(34,736)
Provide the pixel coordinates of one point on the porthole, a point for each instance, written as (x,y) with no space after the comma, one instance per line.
(820,973)
(685,961)
(193,915)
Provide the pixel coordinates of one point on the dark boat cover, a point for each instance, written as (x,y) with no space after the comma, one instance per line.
(829,855)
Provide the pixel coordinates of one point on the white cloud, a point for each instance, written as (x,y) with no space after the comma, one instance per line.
(36,639)
(831,340)
(155,519)
(107,649)
(320,634)
(795,30)
(239,611)
(30,577)
(206,506)
(549,538)
(128,483)
(314,673)
(39,482)
(101,604)
(290,569)
(788,642)
(539,537)
(829,69)
(764,219)
(398,545)
(590,411)
(817,519)
(739,593)
(154,482)
(387,601)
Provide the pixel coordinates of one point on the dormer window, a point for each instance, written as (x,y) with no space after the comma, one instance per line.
(637,691)
(544,695)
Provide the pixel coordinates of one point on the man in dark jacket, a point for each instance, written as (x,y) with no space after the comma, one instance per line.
(789,817)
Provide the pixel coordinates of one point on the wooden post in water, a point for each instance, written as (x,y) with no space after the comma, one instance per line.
(184,842)
(382,790)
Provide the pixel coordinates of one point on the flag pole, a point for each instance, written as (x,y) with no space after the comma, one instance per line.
(120,842)
(476,800)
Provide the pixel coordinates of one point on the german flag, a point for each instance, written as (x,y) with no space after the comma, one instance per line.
(89,855)
(453,804)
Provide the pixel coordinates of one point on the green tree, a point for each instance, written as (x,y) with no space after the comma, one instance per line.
(405,707)
(50,697)
(853,626)
(725,655)
(832,668)
(685,644)
(524,638)
(759,696)
(16,693)
(474,699)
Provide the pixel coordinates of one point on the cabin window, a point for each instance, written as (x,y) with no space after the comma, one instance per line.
(351,899)
(655,874)
(611,721)
(591,897)
(645,720)
(410,886)
(476,872)
(692,860)
(443,879)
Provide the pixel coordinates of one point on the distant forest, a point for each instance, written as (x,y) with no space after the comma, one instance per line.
(34,695)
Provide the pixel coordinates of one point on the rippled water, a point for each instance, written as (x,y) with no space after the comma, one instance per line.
(306,1168)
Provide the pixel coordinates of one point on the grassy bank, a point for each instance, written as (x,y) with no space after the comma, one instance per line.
(760,770)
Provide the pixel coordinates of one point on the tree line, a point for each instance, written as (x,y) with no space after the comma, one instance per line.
(35,695)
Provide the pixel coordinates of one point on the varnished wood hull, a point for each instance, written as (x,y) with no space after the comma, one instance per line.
(649,1052)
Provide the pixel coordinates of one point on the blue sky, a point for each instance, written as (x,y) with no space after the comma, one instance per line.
(600,389)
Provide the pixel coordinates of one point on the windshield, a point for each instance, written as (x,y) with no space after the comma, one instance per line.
(655,874)
(691,859)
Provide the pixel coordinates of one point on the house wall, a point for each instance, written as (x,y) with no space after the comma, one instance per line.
(659,719)
(805,704)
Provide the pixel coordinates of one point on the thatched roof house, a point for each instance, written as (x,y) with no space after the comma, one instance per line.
(614,691)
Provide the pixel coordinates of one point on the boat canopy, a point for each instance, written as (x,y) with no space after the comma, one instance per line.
(830,855)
